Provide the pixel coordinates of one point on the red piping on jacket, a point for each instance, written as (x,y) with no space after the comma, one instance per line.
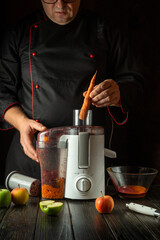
(6,129)
(1,129)
(31,69)
(122,112)
(9,107)
(31,76)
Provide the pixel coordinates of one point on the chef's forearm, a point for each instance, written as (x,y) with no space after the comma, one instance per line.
(16,117)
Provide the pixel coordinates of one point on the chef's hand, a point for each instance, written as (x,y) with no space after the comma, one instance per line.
(27,128)
(105,94)
(27,131)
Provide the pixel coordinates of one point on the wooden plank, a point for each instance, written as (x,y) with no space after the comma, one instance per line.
(154,194)
(80,220)
(87,223)
(3,212)
(54,227)
(150,222)
(125,225)
(19,221)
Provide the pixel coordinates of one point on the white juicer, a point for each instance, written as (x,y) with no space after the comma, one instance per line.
(75,154)
(85,172)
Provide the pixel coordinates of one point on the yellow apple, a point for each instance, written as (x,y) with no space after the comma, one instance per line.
(19,196)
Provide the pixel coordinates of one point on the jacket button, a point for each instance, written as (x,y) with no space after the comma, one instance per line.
(37,86)
(33,54)
(35,26)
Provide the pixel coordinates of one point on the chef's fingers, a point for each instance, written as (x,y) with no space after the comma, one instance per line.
(113,98)
(106,84)
(36,126)
(27,136)
(30,151)
(112,101)
(106,96)
(26,141)
(84,94)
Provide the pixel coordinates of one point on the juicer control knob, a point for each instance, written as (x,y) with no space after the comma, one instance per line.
(83,184)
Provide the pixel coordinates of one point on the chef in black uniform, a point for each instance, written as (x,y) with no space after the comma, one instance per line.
(46,63)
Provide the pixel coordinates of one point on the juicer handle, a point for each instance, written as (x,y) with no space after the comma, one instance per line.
(63,142)
(109,153)
(83,150)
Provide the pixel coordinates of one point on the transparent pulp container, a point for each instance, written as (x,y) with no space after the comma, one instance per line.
(52,162)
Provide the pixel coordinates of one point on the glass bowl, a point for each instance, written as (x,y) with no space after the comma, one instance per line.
(131,181)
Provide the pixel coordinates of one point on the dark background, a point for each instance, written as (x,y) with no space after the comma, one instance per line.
(138,142)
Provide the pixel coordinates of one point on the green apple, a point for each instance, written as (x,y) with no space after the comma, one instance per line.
(5,197)
(51,207)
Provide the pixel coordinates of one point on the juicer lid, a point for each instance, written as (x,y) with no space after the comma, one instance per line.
(53,134)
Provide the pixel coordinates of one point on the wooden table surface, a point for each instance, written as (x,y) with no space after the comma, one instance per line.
(80,220)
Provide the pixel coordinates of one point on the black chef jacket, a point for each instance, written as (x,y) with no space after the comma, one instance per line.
(46,67)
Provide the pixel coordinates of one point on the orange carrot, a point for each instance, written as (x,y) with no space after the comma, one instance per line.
(48,191)
(46,138)
(87,99)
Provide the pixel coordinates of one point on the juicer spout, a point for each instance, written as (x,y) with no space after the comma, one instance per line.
(109,153)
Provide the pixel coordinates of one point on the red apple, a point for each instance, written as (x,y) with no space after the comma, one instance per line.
(19,196)
(104,204)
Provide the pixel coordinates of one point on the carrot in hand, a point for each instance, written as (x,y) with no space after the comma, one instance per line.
(87,99)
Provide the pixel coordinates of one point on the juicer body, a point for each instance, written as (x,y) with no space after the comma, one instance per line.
(85,173)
